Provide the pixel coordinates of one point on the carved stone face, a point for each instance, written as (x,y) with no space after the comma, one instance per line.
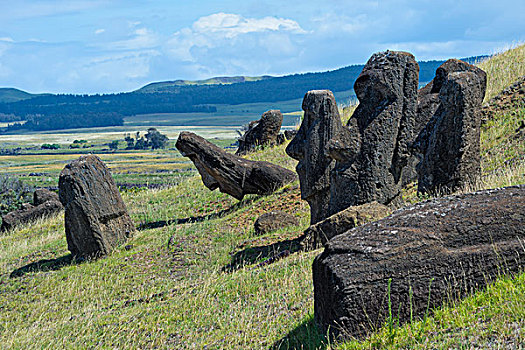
(320,123)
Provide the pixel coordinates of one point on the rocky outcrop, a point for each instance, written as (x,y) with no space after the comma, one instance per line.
(417,258)
(29,213)
(319,234)
(274,220)
(321,123)
(261,132)
(451,139)
(96,219)
(231,174)
(373,153)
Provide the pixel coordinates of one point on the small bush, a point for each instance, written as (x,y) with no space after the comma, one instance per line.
(13,193)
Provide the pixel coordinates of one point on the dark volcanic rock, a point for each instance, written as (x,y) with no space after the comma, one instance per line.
(290,134)
(321,123)
(451,140)
(428,97)
(96,219)
(374,153)
(231,174)
(29,213)
(450,246)
(261,132)
(319,234)
(43,195)
(274,220)
(428,103)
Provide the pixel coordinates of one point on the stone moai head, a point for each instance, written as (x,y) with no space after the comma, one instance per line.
(321,122)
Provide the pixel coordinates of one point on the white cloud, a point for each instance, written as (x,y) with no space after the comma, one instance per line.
(100,31)
(7,39)
(234,34)
(229,25)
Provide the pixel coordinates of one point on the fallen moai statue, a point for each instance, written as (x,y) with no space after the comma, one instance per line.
(321,123)
(418,258)
(96,219)
(264,131)
(230,173)
(45,203)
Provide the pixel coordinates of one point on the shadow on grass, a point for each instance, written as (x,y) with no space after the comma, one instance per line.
(304,336)
(44,265)
(264,254)
(192,219)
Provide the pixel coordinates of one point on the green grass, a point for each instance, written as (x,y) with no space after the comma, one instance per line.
(503,69)
(166,287)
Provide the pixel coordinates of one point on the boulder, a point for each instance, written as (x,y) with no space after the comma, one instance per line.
(418,258)
(29,213)
(321,123)
(274,220)
(261,132)
(96,219)
(373,153)
(230,173)
(42,195)
(319,234)
(451,139)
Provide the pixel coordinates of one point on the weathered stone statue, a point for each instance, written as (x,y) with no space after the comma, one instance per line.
(451,140)
(230,173)
(320,124)
(96,218)
(373,153)
(428,103)
(417,258)
(264,131)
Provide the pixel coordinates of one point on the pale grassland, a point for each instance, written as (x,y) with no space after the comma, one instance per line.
(503,69)
(66,137)
(117,162)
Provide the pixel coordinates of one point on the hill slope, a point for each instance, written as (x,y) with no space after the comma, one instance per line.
(166,85)
(169,288)
(8,95)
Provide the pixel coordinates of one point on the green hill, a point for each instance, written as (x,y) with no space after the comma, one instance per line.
(165,85)
(8,95)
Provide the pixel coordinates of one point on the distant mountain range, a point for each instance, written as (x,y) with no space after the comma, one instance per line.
(182,96)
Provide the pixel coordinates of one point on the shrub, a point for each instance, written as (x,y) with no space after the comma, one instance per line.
(13,193)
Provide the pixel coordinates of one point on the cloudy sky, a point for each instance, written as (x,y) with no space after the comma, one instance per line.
(100,46)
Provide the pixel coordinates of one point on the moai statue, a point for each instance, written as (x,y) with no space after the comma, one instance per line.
(321,123)
(451,140)
(373,153)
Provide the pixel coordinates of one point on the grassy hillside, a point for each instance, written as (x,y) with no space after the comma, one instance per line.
(8,95)
(205,284)
(503,69)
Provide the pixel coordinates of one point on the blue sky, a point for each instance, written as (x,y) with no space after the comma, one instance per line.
(101,46)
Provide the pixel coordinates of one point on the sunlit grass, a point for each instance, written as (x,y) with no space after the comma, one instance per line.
(503,69)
